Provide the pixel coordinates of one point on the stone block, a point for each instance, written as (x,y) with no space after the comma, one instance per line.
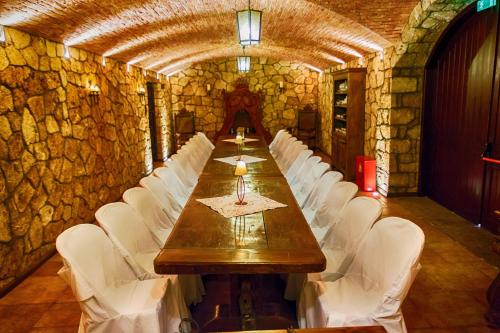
(404,84)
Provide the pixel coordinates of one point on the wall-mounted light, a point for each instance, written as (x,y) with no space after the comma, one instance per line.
(144,72)
(94,93)
(103,61)
(128,67)
(141,91)
(249,23)
(281,87)
(381,55)
(67,55)
(157,76)
(3,38)
(209,89)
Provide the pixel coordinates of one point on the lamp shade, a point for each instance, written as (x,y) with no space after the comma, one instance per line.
(244,64)
(241,169)
(249,23)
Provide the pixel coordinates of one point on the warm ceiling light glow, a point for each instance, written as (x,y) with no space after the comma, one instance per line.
(244,64)
(249,23)
(2,34)
(67,55)
(173,73)
(316,69)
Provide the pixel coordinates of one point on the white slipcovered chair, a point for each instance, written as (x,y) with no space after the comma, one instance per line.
(355,220)
(276,138)
(206,140)
(281,146)
(302,188)
(291,156)
(287,152)
(164,198)
(304,169)
(186,179)
(297,164)
(374,287)
(319,193)
(188,175)
(173,184)
(139,248)
(193,157)
(111,297)
(329,212)
(157,221)
(280,136)
(344,237)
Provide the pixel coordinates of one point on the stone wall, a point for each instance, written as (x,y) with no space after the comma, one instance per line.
(62,155)
(189,90)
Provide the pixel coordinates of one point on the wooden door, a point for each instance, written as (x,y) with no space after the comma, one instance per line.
(458,93)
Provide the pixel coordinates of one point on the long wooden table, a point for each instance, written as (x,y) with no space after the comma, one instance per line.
(273,241)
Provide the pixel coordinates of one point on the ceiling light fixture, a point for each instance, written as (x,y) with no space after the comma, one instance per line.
(67,55)
(249,25)
(3,38)
(243,62)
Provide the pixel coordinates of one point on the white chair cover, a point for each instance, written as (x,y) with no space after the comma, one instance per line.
(164,198)
(279,141)
(329,212)
(304,187)
(375,286)
(173,184)
(304,170)
(188,182)
(139,248)
(292,155)
(344,237)
(276,138)
(319,194)
(207,141)
(188,174)
(288,150)
(157,221)
(297,164)
(356,219)
(110,296)
(282,144)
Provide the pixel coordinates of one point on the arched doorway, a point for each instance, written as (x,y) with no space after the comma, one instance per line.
(460,115)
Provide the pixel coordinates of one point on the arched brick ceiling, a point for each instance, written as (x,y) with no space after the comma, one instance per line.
(165,35)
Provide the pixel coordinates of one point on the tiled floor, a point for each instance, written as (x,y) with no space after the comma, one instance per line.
(447,296)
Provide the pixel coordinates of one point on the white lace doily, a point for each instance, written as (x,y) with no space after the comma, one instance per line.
(246,140)
(245,158)
(227,207)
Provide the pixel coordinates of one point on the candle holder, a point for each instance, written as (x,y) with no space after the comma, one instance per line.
(241,170)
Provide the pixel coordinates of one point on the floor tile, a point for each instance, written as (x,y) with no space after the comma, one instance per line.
(20,318)
(61,314)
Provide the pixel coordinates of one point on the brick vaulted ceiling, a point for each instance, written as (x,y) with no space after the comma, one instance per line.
(167,35)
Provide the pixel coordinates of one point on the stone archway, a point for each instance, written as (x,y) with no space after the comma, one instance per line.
(408,58)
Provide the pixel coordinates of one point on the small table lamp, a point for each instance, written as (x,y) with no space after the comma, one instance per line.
(241,170)
(239,141)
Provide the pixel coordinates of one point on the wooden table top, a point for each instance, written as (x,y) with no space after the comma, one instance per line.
(273,241)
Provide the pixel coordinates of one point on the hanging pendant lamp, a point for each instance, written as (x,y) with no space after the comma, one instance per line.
(249,24)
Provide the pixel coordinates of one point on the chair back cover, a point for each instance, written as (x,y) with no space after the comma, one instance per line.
(157,221)
(388,262)
(92,263)
(319,193)
(297,164)
(164,198)
(173,184)
(329,212)
(175,164)
(306,185)
(277,146)
(304,170)
(276,138)
(292,155)
(183,160)
(207,140)
(118,219)
(281,146)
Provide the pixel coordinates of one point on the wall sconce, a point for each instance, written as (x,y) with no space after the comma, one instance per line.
(142,93)
(3,38)
(94,93)
(209,89)
(67,55)
(281,87)
(103,61)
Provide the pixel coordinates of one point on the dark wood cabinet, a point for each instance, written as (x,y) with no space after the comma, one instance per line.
(348,120)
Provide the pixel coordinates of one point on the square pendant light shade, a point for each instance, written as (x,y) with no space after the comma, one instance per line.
(249,21)
(244,64)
